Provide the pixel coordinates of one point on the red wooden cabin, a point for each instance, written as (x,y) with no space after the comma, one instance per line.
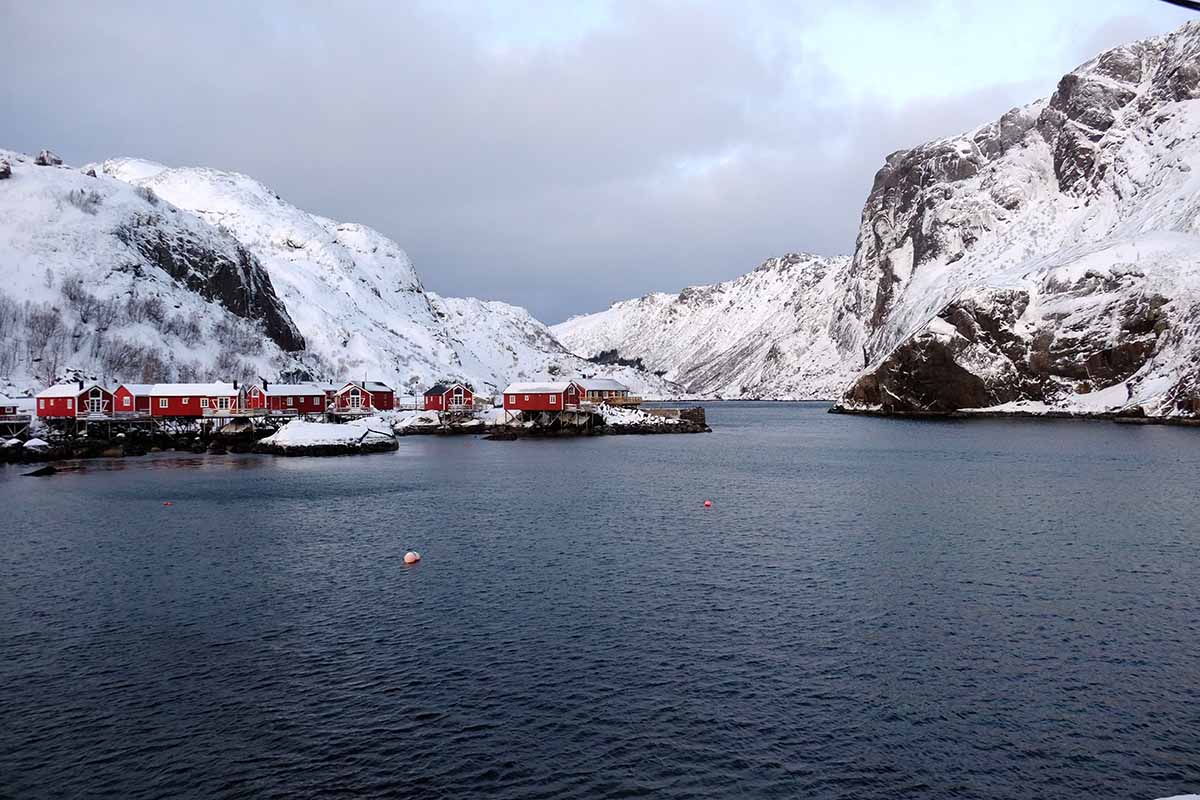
(132,398)
(363,397)
(560,396)
(300,398)
(8,408)
(193,399)
(80,400)
(449,397)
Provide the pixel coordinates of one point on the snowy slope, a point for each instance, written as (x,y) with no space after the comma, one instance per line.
(1046,261)
(502,344)
(112,282)
(763,335)
(357,298)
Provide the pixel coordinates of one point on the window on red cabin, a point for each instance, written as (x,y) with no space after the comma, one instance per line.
(204,402)
(553,399)
(162,402)
(125,400)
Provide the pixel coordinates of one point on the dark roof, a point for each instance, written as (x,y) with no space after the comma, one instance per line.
(442,388)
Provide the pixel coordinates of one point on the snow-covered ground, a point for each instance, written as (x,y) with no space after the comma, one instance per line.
(301,433)
(631,416)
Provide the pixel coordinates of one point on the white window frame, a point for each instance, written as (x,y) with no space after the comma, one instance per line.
(512,398)
(41,402)
(291,400)
(553,399)
(162,402)
(526,398)
(223,403)
(204,402)
(70,402)
(126,400)
(187,400)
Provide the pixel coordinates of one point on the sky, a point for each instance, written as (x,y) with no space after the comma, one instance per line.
(556,155)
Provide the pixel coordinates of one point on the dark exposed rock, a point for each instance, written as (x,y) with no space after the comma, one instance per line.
(5,169)
(47,158)
(42,472)
(240,284)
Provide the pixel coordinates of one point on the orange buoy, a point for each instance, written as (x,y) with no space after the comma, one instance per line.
(708,503)
(412,557)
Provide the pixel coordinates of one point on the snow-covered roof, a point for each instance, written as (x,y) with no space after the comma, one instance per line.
(279,389)
(537,388)
(138,389)
(370,386)
(181,389)
(603,385)
(67,390)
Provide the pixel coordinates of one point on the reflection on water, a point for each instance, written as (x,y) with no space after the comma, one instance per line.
(870,608)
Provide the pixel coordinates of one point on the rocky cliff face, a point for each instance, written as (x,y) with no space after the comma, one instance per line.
(1044,261)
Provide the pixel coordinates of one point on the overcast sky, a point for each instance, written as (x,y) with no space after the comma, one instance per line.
(555,155)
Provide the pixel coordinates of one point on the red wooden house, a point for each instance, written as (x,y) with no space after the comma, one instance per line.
(193,399)
(282,398)
(456,397)
(132,399)
(78,400)
(363,397)
(559,396)
(8,408)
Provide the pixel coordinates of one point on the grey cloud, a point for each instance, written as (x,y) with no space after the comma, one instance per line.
(545,177)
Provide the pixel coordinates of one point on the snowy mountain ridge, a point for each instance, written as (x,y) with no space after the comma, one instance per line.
(239,283)
(103,277)
(764,334)
(1040,263)
(357,298)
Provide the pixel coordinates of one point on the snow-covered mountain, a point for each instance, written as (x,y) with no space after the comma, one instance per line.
(356,297)
(108,279)
(1047,261)
(265,288)
(1043,262)
(763,335)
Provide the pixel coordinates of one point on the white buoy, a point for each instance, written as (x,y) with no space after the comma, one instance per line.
(412,557)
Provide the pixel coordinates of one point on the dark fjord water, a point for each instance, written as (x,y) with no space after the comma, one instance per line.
(871,609)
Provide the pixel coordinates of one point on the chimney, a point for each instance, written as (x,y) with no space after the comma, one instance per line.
(81,386)
(235,386)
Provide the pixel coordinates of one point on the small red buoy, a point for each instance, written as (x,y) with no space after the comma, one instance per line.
(412,557)
(708,503)
(168,503)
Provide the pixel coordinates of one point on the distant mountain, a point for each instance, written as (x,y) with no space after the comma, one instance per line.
(1044,262)
(763,335)
(250,284)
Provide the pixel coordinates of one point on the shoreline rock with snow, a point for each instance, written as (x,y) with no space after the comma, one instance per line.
(303,438)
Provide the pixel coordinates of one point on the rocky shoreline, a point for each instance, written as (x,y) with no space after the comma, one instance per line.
(1123,418)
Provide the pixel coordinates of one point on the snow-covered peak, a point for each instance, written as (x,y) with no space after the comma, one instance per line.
(764,334)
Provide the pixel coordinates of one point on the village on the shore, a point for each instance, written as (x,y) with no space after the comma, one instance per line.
(88,417)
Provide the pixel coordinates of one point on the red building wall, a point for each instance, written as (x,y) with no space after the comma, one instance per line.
(125,402)
(186,406)
(57,407)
